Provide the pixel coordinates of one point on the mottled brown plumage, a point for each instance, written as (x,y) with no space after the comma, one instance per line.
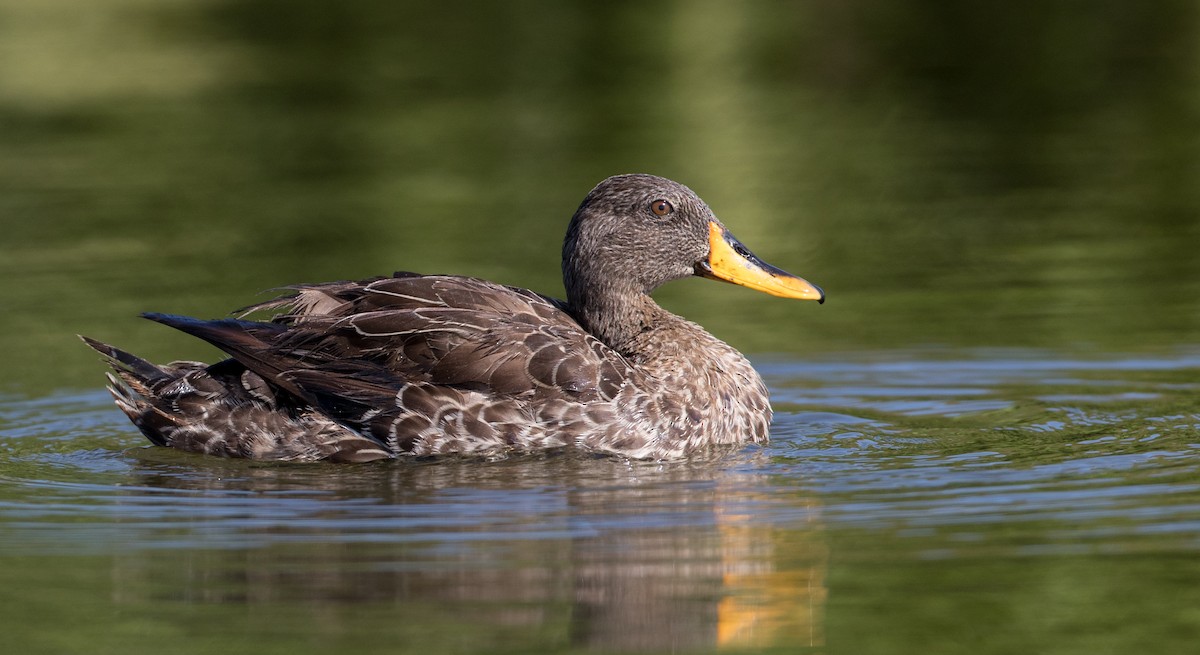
(424,365)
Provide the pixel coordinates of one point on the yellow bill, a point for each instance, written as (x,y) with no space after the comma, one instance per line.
(730,261)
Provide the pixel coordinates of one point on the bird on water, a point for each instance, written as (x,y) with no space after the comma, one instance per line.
(427,365)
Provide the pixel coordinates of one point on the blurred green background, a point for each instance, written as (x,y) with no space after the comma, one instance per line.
(957,175)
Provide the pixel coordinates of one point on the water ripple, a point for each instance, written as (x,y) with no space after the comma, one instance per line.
(954,448)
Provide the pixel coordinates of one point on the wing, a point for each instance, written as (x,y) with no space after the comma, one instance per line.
(459,332)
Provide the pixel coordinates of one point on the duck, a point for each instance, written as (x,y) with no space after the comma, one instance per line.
(423,366)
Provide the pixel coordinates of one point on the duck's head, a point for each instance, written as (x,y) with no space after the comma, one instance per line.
(633,233)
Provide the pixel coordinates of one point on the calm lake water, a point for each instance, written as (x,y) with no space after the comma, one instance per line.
(987,441)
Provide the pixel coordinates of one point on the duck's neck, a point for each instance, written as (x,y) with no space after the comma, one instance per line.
(622,320)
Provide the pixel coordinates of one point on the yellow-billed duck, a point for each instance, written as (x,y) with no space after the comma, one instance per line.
(421,365)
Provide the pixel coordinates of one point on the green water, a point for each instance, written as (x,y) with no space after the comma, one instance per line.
(986,441)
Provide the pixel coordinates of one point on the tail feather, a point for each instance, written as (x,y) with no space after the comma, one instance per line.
(248,342)
(225,410)
(133,369)
(138,380)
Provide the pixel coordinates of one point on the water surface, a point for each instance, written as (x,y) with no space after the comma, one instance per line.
(998,503)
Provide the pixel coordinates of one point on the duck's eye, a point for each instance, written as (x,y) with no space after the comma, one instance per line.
(661,207)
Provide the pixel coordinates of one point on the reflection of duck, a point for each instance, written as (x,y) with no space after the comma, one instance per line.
(538,553)
(433,364)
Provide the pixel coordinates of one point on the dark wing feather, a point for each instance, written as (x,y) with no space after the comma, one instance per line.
(458,332)
(248,342)
(477,334)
